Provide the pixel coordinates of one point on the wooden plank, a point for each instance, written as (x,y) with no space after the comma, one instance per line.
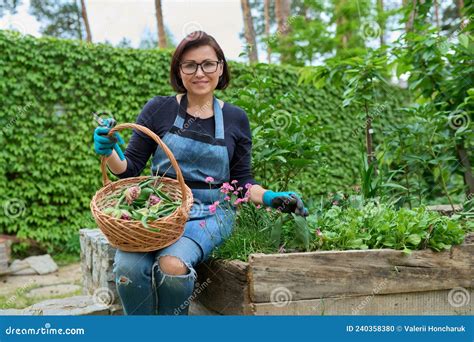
(413,303)
(445,209)
(4,255)
(227,288)
(315,275)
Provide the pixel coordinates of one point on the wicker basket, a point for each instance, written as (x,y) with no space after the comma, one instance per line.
(132,236)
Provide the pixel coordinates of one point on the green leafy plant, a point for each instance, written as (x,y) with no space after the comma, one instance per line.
(377,225)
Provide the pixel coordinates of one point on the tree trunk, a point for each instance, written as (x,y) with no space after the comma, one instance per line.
(282,13)
(460,6)
(369,140)
(464,161)
(436,10)
(249,32)
(267,29)
(86,21)
(343,32)
(381,21)
(159,23)
(411,19)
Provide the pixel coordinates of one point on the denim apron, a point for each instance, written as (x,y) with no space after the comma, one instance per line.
(200,156)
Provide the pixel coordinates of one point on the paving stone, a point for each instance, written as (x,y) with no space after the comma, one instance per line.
(43,264)
(70,306)
(53,290)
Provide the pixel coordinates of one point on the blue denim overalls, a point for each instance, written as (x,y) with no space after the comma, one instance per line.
(142,286)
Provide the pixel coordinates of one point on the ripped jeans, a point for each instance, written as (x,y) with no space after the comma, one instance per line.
(145,290)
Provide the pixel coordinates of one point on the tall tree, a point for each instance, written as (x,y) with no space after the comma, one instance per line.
(282,14)
(381,19)
(348,17)
(149,39)
(249,31)
(86,21)
(9,6)
(267,29)
(436,12)
(160,25)
(63,19)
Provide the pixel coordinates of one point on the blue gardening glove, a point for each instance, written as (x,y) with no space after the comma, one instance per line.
(103,145)
(286,202)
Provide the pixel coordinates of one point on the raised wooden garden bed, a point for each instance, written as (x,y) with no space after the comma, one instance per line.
(355,282)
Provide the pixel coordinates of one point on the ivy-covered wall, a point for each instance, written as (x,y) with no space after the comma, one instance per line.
(50,88)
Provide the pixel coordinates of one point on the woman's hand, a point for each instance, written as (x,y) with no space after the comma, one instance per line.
(103,145)
(286,202)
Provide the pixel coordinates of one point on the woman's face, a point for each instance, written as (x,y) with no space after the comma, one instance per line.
(200,83)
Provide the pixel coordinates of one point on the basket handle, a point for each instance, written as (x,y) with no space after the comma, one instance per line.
(169,154)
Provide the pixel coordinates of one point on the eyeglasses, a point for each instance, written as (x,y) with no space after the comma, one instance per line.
(207,67)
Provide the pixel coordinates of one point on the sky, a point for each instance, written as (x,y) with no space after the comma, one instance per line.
(114,20)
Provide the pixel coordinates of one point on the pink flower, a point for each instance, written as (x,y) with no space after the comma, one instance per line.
(227,186)
(240,188)
(224,191)
(247,193)
(238,201)
(227,198)
(258,206)
(335,202)
(234,181)
(248,185)
(132,193)
(213,207)
(235,192)
(154,199)
(245,200)
(318,232)
(125,217)
(202,223)
(209,179)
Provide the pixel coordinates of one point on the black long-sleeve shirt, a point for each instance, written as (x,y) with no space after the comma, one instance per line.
(159,115)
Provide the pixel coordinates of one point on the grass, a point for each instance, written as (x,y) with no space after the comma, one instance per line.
(19,300)
(251,234)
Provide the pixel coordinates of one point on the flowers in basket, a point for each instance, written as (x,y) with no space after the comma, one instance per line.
(143,202)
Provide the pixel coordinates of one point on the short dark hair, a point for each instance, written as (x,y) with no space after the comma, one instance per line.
(193,40)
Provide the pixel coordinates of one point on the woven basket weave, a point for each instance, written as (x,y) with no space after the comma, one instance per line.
(132,236)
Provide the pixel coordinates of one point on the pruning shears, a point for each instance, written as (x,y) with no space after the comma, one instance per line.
(116,138)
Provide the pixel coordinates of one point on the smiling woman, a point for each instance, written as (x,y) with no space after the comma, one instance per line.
(211,141)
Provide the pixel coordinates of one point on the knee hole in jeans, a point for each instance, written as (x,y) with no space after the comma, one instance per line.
(172,265)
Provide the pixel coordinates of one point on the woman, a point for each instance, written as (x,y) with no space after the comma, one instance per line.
(211,140)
